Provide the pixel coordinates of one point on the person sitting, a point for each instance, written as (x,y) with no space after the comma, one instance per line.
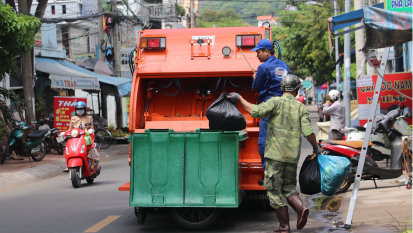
(79,121)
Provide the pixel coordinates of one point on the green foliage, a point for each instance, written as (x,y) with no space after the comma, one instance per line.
(40,107)
(353,70)
(304,41)
(180,11)
(223,18)
(247,10)
(16,37)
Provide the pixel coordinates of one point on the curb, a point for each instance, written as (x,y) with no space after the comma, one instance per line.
(44,171)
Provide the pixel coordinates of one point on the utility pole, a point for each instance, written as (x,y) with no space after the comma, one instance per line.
(116,63)
(27,73)
(338,71)
(192,14)
(347,73)
(100,31)
(116,41)
(361,69)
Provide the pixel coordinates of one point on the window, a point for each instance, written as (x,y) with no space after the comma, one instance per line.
(53,10)
(63,9)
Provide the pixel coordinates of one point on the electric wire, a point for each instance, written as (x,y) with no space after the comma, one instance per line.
(230,81)
(180,88)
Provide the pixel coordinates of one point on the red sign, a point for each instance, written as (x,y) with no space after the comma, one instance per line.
(64,109)
(389,98)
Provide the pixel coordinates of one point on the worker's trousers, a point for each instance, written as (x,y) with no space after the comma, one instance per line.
(280,180)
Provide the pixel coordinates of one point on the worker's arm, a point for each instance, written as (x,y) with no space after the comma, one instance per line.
(307,129)
(259,79)
(246,105)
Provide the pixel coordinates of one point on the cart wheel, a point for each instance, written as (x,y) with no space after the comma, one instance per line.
(140,214)
(195,217)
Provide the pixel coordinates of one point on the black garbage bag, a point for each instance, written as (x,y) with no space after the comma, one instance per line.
(310,176)
(224,115)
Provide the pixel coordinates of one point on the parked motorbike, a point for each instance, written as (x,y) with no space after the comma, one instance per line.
(34,147)
(53,140)
(371,170)
(76,158)
(381,146)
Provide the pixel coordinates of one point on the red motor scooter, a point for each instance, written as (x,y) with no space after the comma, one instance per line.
(76,158)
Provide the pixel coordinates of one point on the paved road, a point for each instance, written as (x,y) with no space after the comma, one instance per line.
(52,205)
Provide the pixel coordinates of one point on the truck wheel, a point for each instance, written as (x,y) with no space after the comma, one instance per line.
(344,187)
(75,177)
(195,217)
(141,215)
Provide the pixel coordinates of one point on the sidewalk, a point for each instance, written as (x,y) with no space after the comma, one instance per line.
(14,173)
(312,108)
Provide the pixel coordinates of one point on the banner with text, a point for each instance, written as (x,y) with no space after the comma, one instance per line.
(64,109)
(389,99)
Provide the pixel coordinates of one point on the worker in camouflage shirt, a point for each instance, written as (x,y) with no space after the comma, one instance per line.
(288,119)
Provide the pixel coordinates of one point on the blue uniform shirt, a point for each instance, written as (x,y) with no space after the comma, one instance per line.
(268,78)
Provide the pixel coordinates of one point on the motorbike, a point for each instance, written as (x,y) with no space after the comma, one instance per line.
(53,140)
(371,171)
(34,147)
(380,149)
(76,158)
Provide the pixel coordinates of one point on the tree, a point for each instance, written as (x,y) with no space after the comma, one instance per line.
(16,39)
(223,18)
(40,9)
(304,40)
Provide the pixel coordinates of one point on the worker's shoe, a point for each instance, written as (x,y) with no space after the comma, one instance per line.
(284,219)
(261,182)
(302,211)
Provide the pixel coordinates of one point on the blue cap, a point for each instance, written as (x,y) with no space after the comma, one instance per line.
(263,44)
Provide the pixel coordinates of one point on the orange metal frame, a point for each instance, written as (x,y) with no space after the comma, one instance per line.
(195,65)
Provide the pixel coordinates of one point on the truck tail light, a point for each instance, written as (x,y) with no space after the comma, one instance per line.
(153,42)
(248,40)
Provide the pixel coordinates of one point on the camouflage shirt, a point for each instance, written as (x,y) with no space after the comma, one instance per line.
(288,118)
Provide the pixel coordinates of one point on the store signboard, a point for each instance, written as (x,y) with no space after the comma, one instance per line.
(404,6)
(64,109)
(60,82)
(389,99)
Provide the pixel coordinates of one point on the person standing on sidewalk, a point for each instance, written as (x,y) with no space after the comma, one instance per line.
(337,114)
(267,83)
(288,119)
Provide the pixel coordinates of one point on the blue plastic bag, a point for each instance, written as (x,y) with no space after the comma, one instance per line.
(334,171)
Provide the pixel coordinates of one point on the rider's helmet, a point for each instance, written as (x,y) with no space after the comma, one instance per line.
(80,108)
(290,83)
(334,95)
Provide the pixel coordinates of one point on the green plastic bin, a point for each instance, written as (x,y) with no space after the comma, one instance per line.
(157,162)
(185,169)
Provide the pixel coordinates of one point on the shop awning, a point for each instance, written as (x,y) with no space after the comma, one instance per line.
(346,20)
(123,85)
(64,77)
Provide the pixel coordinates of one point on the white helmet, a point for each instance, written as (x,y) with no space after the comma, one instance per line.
(334,94)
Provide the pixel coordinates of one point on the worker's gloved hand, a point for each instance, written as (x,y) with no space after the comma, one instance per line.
(317,150)
(233,97)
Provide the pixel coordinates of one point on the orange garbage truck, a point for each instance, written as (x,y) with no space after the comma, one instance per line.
(176,161)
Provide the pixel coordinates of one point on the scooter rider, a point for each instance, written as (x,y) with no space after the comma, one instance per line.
(79,121)
(336,111)
(267,82)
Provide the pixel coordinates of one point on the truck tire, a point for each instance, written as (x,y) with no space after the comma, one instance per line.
(195,217)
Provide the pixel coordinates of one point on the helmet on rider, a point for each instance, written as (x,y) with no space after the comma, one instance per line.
(334,95)
(290,83)
(80,108)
